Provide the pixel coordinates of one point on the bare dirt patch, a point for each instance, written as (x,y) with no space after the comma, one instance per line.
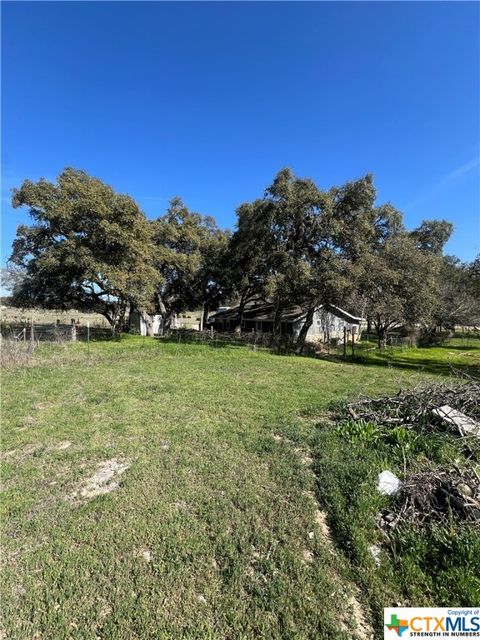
(27,423)
(27,451)
(304,457)
(106,479)
(278,438)
(362,630)
(321,521)
(143,553)
(62,445)
(5,455)
(307,556)
(20,455)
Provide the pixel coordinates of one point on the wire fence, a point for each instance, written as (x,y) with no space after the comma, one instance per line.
(217,337)
(464,336)
(284,343)
(52,332)
(20,341)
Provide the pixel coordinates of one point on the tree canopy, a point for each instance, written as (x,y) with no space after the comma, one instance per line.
(190,257)
(88,248)
(91,248)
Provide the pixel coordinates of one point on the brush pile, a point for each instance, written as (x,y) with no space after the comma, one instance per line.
(442,495)
(414,407)
(430,493)
(435,496)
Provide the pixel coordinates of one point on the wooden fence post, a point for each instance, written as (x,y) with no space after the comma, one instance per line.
(344,342)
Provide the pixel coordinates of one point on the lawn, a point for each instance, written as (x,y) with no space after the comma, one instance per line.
(214,529)
(460,353)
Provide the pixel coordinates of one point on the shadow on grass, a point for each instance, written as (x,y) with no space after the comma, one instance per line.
(463,347)
(210,342)
(426,365)
(411,360)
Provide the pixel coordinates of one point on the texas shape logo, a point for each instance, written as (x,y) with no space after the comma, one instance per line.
(395,624)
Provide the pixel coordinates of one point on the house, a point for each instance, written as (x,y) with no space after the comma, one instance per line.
(328,322)
(188,320)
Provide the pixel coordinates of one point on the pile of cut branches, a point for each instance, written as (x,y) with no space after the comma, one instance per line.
(414,407)
(435,496)
(429,494)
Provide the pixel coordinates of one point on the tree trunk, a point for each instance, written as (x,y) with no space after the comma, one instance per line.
(381,336)
(112,319)
(166,317)
(114,326)
(304,330)
(241,309)
(118,317)
(277,320)
(148,321)
(204,315)
(107,317)
(160,304)
(167,321)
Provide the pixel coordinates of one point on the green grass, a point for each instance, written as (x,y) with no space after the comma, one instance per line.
(462,354)
(223,507)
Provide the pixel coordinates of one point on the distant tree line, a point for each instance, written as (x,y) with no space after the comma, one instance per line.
(92,249)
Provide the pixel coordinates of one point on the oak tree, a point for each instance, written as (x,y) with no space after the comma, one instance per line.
(88,248)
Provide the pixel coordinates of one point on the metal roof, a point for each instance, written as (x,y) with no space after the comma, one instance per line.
(260,310)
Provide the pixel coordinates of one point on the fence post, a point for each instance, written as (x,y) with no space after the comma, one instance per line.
(74,330)
(32,334)
(344,342)
(353,342)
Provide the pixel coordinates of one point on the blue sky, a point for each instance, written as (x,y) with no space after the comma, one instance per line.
(209,100)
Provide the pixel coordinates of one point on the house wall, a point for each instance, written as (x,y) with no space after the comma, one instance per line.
(188,320)
(325,326)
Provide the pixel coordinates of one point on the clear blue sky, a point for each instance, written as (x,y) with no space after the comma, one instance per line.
(209,100)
